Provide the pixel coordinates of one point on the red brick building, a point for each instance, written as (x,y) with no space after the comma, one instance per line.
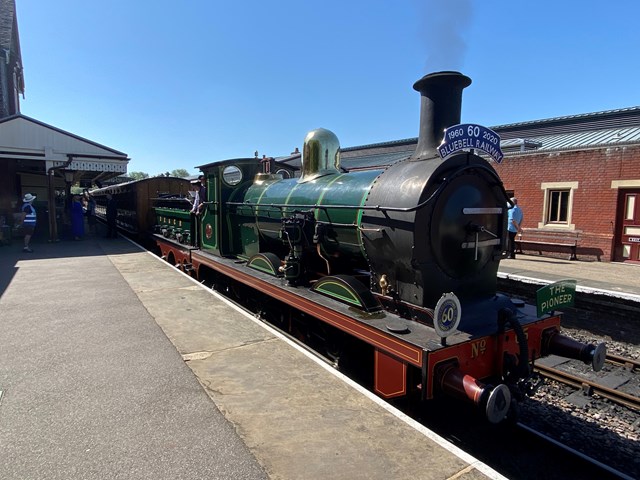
(577,179)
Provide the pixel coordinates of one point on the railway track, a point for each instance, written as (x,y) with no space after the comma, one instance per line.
(602,410)
(630,363)
(624,370)
(602,470)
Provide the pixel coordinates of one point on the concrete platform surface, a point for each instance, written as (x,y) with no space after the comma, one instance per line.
(115,365)
(612,279)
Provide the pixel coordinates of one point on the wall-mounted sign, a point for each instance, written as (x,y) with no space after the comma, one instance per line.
(634,239)
(470,136)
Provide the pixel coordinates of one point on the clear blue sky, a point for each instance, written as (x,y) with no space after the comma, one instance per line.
(176,84)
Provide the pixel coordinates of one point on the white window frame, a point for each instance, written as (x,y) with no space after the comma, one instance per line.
(547,188)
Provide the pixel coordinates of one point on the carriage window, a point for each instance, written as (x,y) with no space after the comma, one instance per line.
(232,175)
(558,204)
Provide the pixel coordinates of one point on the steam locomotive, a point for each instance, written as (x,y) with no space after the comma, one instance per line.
(391,270)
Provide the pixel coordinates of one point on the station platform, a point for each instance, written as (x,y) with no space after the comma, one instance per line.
(113,364)
(609,279)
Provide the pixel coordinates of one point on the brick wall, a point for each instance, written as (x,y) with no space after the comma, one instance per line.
(594,203)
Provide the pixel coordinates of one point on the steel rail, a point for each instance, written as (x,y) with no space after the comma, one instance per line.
(573,451)
(623,361)
(622,398)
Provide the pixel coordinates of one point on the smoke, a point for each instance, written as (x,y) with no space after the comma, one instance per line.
(444,27)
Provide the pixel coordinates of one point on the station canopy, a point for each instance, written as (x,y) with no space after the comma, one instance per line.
(39,149)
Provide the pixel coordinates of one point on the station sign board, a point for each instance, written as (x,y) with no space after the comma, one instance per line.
(467,136)
(555,296)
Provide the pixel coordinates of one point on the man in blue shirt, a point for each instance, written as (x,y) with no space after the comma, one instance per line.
(514,225)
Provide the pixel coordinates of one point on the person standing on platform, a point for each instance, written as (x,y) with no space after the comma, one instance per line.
(77,218)
(514,225)
(91,211)
(28,220)
(112,215)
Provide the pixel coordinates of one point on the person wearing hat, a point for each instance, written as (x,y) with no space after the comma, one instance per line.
(196,210)
(28,220)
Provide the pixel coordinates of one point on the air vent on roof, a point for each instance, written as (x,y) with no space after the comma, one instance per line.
(519,145)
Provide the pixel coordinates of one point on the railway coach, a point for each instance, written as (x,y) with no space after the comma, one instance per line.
(137,201)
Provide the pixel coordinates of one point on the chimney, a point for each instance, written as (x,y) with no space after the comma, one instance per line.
(440,107)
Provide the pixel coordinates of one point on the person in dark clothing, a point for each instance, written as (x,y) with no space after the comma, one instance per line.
(202,194)
(91,211)
(197,209)
(77,218)
(112,214)
(195,189)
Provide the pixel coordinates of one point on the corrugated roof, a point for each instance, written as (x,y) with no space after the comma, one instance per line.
(621,117)
(578,140)
(589,130)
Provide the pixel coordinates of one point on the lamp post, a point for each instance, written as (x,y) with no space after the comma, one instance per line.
(69,176)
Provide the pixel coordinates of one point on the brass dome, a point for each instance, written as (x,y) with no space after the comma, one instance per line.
(320,154)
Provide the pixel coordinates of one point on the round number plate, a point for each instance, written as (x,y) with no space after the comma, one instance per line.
(446,316)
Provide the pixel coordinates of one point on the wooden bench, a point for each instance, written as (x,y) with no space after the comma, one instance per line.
(549,242)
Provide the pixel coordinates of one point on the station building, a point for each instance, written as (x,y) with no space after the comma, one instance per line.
(577,179)
(38,158)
